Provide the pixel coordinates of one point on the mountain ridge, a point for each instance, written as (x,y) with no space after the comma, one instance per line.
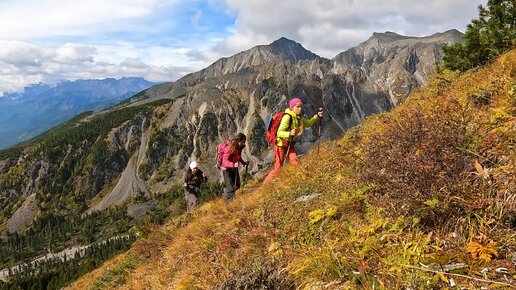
(343,63)
(41,106)
(373,60)
(282,49)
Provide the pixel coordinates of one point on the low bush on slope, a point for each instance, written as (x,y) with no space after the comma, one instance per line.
(422,197)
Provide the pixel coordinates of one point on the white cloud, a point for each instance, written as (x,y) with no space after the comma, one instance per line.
(134,62)
(23,63)
(20,54)
(33,18)
(111,41)
(75,53)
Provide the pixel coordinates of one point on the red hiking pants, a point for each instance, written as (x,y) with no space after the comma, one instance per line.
(279,157)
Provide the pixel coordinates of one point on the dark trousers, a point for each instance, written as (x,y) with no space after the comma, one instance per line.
(192,197)
(232,180)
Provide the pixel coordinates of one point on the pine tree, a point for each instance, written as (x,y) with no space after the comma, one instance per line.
(487,37)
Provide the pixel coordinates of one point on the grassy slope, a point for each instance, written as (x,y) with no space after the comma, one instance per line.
(427,185)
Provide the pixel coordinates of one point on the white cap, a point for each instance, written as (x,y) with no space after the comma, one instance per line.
(193,165)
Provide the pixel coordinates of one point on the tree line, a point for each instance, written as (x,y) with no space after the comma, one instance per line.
(56,273)
(52,233)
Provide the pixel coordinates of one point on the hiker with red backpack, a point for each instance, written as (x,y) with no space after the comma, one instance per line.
(194,177)
(231,156)
(289,127)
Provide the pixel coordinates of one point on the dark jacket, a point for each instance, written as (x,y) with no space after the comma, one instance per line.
(194,180)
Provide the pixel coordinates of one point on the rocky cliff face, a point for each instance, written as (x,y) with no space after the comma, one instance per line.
(235,94)
(393,63)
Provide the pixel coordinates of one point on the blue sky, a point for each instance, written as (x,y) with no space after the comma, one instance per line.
(162,40)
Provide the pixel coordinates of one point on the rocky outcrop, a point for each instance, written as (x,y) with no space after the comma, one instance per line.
(138,210)
(394,64)
(23,215)
(133,140)
(24,188)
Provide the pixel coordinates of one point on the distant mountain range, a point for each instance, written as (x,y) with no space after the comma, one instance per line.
(40,107)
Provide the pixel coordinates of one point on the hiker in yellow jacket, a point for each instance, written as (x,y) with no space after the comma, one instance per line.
(289,130)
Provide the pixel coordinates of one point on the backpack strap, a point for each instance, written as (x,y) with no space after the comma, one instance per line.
(289,121)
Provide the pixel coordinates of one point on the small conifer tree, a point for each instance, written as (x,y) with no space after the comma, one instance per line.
(487,37)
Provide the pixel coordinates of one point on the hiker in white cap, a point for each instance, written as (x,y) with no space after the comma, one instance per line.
(194,177)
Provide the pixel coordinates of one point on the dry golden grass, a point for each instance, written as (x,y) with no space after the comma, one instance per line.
(429,184)
(89,279)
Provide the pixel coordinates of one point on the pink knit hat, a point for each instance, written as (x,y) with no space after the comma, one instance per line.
(293,102)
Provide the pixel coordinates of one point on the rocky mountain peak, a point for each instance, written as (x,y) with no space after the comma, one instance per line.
(387,36)
(280,50)
(288,49)
(450,36)
(381,46)
(395,62)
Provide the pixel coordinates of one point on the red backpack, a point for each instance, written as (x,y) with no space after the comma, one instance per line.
(272,125)
(220,153)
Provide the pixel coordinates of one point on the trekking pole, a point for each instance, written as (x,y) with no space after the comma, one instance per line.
(288,149)
(319,131)
(237,176)
(244,177)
